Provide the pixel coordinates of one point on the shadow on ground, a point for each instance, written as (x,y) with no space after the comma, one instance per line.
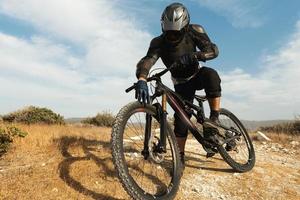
(87,145)
(193,157)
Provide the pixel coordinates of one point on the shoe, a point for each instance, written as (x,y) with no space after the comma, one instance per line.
(208,155)
(213,133)
(210,151)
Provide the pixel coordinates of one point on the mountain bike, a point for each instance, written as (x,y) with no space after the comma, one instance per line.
(144,148)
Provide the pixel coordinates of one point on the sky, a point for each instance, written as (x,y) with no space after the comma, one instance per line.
(77,57)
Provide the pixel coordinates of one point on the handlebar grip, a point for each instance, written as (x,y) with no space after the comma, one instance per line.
(130,88)
(198,55)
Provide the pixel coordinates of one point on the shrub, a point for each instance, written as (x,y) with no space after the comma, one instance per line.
(7,134)
(32,115)
(101,119)
(289,127)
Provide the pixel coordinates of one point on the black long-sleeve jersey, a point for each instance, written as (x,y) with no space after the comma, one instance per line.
(195,37)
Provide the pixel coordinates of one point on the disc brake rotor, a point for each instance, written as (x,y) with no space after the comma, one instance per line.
(153,144)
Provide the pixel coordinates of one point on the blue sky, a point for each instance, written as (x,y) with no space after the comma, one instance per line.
(77,56)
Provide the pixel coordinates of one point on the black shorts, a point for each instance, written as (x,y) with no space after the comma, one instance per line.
(207,79)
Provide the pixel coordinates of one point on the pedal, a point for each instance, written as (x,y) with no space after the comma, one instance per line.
(208,155)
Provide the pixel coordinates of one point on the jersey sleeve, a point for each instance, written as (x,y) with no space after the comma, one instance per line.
(208,49)
(144,65)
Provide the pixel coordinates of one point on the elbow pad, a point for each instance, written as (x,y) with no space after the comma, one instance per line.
(215,49)
(208,55)
(143,66)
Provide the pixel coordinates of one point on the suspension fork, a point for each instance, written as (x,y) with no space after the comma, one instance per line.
(163,124)
(161,110)
(145,151)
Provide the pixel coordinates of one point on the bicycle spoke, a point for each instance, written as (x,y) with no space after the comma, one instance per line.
(136,131)
(150,176)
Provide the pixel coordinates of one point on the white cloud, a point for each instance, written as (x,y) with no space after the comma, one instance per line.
(273,92)
(30,75)
(37,59)
(44,71)
(240,13)
(112,42)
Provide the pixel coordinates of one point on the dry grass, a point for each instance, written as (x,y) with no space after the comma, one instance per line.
(59,162)
(281,138)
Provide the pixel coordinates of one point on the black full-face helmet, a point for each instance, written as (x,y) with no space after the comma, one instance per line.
(174,22)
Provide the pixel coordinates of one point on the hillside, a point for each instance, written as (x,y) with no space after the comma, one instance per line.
(254,125)
(70,162)
(249,124)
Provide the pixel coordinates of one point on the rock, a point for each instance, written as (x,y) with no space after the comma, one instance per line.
(285,150)
(99,147)
(273,148)
(262,137)
(294,143)
(279,146)
(157,130)
(54,190)
(43,164)
(197,189)
(135,155)
(236,174)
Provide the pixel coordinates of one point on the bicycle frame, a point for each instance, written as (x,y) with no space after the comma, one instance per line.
(181,107)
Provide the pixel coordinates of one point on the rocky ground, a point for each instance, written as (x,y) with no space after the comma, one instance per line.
(276,175)
(75,163)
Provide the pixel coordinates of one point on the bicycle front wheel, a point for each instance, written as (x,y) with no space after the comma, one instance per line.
(242,155)
(156,176)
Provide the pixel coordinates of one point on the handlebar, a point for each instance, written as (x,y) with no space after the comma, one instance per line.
(130,88)
(158,75)
(155,76)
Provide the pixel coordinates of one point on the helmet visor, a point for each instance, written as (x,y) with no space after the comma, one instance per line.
(173,36)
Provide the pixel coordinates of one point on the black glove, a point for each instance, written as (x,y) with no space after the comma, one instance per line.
(141,92)
(188,60)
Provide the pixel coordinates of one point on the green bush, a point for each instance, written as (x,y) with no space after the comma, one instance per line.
(7,134)
(32,115)
(101,119)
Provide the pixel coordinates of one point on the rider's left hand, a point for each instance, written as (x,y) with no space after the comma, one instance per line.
(188,59)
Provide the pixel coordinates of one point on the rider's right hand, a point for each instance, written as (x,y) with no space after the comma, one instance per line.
(141,92)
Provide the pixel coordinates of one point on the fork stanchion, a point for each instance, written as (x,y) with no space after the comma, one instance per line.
(163,124)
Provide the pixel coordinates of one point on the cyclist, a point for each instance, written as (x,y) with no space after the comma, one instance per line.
(178,40)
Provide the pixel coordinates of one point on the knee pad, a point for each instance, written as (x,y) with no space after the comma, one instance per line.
(213,83)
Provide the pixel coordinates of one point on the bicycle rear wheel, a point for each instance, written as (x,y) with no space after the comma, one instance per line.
(242,157)
(154,177)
